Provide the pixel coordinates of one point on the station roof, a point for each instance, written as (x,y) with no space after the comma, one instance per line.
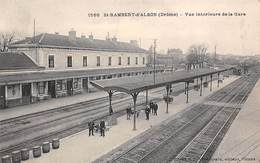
(63,41)
(43,75)
(140,83)
(15,61)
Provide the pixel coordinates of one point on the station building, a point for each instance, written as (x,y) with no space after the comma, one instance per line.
(53,65)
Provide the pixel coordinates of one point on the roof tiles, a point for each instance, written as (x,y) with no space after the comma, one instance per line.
(14,61)
(46,39)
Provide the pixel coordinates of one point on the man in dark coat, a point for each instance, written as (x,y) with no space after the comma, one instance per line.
(128,113)
(91,128)
(147,112)
(102,128)
(155,108)
(151,105)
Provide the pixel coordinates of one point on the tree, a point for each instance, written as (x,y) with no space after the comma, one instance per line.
(5,40)
(197,55)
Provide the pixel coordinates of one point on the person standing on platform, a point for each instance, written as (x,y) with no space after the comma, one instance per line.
(128,112)
(102,128)
(127,116)
(155,109)
(147,112)
(151,107)
(91,128)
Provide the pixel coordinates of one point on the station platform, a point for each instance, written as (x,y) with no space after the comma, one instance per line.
(242,141)
(81,148)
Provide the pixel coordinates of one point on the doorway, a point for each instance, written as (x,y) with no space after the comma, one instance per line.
(70,87)
(51,88)
(26,93)
(85,84)
(2,97)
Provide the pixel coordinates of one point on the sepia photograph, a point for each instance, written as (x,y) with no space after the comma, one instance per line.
(129,81)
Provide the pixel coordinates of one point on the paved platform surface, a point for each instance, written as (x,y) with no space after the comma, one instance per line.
(242,141)
(80,148)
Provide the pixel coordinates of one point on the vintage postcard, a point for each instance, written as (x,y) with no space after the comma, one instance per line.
(129,81)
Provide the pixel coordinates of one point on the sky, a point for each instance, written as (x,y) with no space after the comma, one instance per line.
(239,35)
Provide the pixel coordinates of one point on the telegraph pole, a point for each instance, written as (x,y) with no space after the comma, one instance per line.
(154,48)
(34,42)
(215,56)
(34,31)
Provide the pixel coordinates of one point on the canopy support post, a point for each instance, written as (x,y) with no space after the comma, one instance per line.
(167,97)
(134,95)
(218,79)
(185,88)
(201,78)
(187,93)
(110,93)
(210,82)
(146,97)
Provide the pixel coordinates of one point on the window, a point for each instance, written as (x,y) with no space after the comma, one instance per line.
(69,61)
(143,60)
(41,87)
(98,60)
(136,60)
(109,61)
(119,60)
(128,60)
(59,85)
(98,77)
(76,83)
(85,61)
(12,90)
(64,84)
(51,61)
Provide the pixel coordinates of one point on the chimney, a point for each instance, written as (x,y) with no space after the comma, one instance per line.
(72,34)
(114,39)
(91,36)
(83,36)
(107,37)
(134,42)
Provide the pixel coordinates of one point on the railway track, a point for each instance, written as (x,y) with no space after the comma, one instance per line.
(32,129)
(33,122)
(58,126)
(58,110)
(174,142)
(168,141)
(18,133)
(201,148)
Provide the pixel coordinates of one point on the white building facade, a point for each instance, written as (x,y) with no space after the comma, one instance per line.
(68,64)
(72,59)
(58,52)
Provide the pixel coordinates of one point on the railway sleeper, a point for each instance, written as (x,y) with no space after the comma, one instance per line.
(198,148)
(175,140)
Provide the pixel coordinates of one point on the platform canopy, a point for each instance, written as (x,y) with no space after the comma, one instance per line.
(141,83)
(7,78)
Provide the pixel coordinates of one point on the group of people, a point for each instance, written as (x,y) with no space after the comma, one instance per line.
(151,107)
(101,126)
(154,108)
